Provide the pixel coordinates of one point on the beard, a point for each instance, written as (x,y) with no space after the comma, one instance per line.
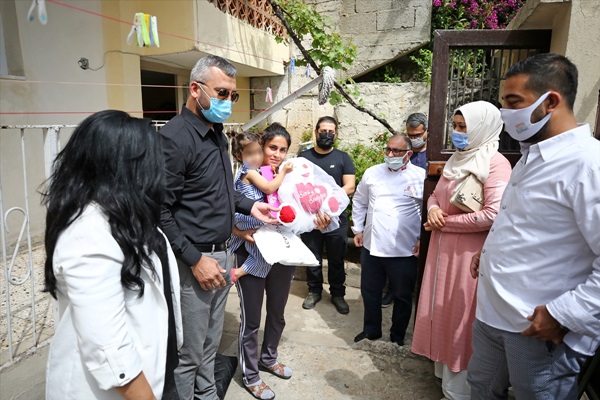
(537,116)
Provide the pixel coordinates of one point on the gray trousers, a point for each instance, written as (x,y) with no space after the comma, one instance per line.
(251,291)
(202,313)
(536,369)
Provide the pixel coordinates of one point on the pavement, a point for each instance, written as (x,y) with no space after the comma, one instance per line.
(318,345)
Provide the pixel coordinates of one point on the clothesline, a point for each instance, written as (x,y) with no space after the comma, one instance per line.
(128,23)
(116,84)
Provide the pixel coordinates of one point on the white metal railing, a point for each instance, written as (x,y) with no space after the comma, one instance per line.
(11,268)
(18,253)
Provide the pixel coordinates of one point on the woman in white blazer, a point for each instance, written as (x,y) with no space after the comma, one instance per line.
(109,267)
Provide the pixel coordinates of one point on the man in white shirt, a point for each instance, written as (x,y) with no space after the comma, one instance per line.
(386,212)
(538,300)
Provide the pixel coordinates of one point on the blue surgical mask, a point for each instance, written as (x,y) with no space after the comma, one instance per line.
(460,140)
(219,110)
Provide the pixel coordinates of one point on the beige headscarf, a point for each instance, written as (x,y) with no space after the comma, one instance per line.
(484,126)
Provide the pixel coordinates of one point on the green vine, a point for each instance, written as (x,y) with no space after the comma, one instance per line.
(327,48)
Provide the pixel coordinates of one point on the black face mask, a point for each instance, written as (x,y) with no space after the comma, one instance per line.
(325,140)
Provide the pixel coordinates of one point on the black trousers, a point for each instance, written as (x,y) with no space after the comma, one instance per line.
(402,275)
(336,243)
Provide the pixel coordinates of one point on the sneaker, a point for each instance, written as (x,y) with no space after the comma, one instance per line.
(387,299)
(311,300)
(362,336)
(340,304)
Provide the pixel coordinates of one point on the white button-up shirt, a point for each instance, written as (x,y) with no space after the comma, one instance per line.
(544,246)
(390,202)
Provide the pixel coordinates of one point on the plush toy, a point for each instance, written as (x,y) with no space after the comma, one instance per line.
(304,192)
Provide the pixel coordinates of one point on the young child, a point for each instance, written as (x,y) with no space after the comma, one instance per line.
(246,148)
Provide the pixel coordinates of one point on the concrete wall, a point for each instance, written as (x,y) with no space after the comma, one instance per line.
(382,30)
(393,101)
(575,28)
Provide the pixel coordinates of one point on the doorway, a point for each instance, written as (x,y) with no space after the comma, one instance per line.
(159,95)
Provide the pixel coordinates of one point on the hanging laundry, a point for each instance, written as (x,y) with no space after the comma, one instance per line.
(41,9)
(154,31)
(269,96)
(292,67)
(145,31)
(308,72)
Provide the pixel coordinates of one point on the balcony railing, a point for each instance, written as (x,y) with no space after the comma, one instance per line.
(257,13)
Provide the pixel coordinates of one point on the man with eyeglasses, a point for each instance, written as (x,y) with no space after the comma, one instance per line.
(197,218)
(416,129)
(386,213)
(339,165)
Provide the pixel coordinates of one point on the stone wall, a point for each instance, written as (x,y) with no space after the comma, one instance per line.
(382,30)
(393,101)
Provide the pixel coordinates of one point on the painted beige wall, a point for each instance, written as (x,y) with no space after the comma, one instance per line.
(50,54)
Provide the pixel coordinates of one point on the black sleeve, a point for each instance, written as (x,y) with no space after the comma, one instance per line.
(174,177)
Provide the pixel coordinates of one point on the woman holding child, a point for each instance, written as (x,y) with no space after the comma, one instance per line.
(258,278)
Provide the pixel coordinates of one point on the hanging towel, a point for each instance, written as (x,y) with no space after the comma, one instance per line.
(145,29)
(154,31)
(269,96)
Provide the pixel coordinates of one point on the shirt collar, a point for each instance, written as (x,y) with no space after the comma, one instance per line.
(549,148)
(199,125)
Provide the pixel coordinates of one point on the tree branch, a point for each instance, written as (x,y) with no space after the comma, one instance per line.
(278,11)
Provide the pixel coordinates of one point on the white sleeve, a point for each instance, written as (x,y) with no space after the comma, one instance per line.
(360,204)
(90,261)
(577,309)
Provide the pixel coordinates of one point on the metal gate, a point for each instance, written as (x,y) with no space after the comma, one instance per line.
(469,66)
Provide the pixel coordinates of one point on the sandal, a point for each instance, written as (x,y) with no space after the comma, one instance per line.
(278,369)
(261,391)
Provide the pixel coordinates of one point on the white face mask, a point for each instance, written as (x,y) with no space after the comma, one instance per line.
(395,163)
(518,122)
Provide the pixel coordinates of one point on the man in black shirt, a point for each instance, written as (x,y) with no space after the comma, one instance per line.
(197,218)
(339,165)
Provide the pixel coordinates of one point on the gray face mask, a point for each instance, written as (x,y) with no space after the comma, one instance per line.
(418,142)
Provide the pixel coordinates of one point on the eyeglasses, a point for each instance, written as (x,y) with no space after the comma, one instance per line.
(395,152)
(224,94)
(326,132)
(416,134)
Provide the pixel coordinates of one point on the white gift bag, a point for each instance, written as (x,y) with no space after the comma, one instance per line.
(279,245)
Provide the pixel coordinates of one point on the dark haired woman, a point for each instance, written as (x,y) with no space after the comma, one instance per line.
(108,265)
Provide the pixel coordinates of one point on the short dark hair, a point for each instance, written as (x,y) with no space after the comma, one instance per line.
(326,118)
(548,71)
(416,119)
(275,129)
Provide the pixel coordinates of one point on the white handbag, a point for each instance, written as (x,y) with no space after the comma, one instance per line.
(468,195)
